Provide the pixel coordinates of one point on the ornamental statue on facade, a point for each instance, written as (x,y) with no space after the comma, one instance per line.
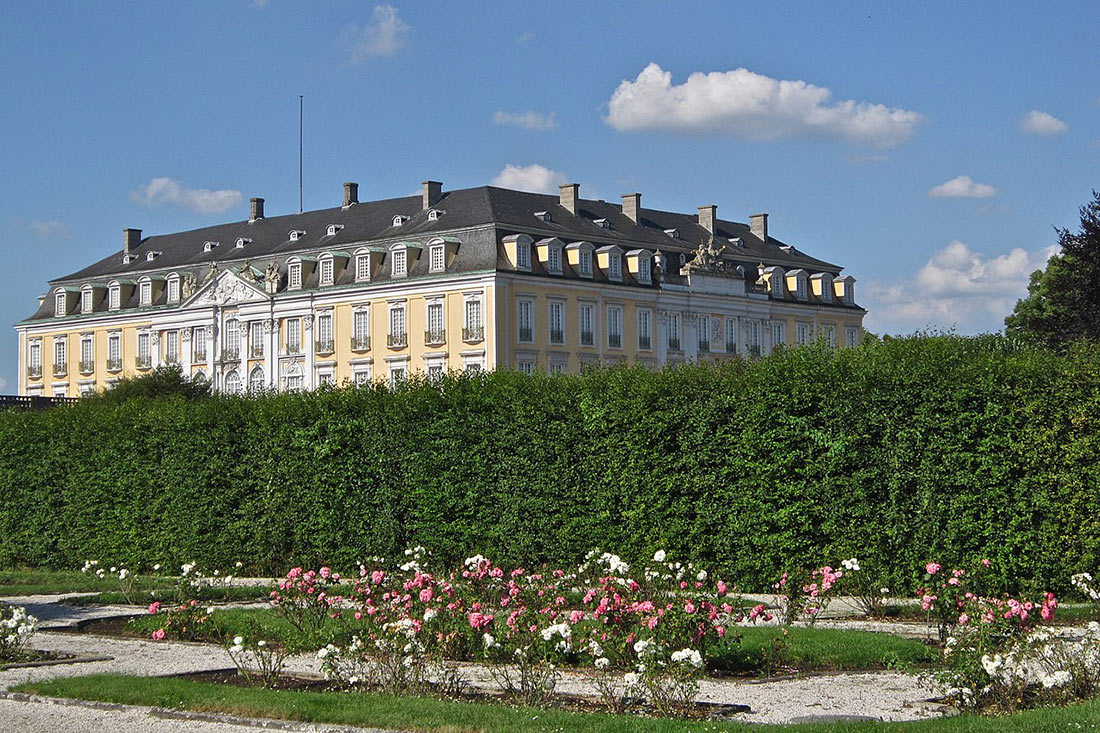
(187,286)
(271,277)
(708,256)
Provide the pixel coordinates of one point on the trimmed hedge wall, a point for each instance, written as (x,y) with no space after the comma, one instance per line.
(897,452)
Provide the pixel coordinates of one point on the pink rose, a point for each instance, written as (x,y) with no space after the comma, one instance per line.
(154,607)
(426,595)
(325,572)
(963,619)
(377,577)
(721,587)
(689,607)
(932,568)
(158,635)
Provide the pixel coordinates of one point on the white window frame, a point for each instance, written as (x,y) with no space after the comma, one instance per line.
(523,256)
(731,335)
(399,322)
(555,367)
(292,380)
(555,313)
(614,325)
(362,267)
(232,381)
(254,388)
(361,375)
(360,325)
(800,284)
(86,296)
(645,270)
(586,312)
(584,263)
(114,296)
(144,346)
(172,346)
(326,270)
(645,328)
(60,306)
(198,343)
(173,287)
(34,354)
(553,260)
(399,262)
(525,365)
(614,266)
(675,333)
(474,316)
(256,339)
(294,274)
(145,292)
(779,333)
(114,347)
(87,349)
(803,333)
(292,326)
(828,330)
(525,312)
(325,328)
(437,258)
(397,373)
(851,336)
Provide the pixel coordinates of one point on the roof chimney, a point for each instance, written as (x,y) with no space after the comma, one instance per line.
(632,206)
(568,195)
(758,225)
(351,193)
(431,192)
(707,216)
(257,211)
(131,238)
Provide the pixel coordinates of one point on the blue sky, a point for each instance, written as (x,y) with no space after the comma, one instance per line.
(929,148)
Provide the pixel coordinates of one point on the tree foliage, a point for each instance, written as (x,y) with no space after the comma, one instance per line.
(164,381)
(1063,301)
(898,453)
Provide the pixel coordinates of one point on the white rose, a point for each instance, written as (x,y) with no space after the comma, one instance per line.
(659,556)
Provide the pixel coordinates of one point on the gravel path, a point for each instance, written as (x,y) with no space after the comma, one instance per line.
(884,695)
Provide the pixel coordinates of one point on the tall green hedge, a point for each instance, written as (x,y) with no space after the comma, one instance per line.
(897,452)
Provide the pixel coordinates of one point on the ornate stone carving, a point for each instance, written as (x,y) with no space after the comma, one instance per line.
(187,285)
(271,277)
(269,325)
(211,273)
(308,322)
(185,334)
(228,289)
(708,256)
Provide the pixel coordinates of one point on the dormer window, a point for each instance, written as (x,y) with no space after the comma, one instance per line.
(173,286)
(800,292)
(127,259)
(296,234)
(737,242)
(242,241)
(437,258)
(615,266)
(362,267)
(294,274)
(333,229)
(542,215)
(434,214)
(602,223)
(145,290)
(114,296)
(150,256)
(777,285)
(399,264)
(645,270)
(586,263)
(399,220)
(553,260)
(523,255)
(326,270)
(209,246)
(59,306)
(674,233)
(86,300)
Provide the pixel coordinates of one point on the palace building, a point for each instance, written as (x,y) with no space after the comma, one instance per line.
(478,278)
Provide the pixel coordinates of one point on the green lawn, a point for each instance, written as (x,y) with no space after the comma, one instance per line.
(33,582)
(429,714)
(167,594)
(811,648)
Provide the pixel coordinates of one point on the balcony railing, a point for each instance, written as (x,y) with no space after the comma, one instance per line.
(143,362)
(256,351)
(172,359)
(473,333)
(588,338)
(60,370)
(360,343)
(323,347)
(114,365)
(34,370)
(557,336)
(293,348)
(525,335)
(674,344)
(231,354)
(435,337)
(87,366)
(615,340)
(731,347)
(644,343)
(704,347)
(753,350)
(397,340)
(200,356)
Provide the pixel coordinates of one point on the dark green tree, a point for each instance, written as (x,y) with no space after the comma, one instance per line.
(161,382)
(1063,301)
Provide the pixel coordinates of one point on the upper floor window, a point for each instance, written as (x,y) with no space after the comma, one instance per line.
(585,261)
(59,304)
(645,269)
(400,263)
(399,220)
(525,318)
(523,255)
(114,350)
(293,336)
(437,259)
(704,333)
(556,321)
(324,332)
(326,271)
(586,318)
(87,353)
(333,228)
(114,297)
(614,266)
(436,332)
(256,339)
(554,260)
(198,343)
(173,290)
(674,331)
(362,267)
(779,333)
(146,292)
(802,333)
(60,347)
(86,300)
(433,214)
(398,336)
(614,326)
(360,324)
(851,336)
(473,329)
(172,347)
(800,285)
(232,339)
(143,348)
(296,234)
(34,360)
(294,275)
(731,335)
(645,329)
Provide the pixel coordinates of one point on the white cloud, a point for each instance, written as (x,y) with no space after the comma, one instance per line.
(751,106)
(956,288)
(200,200)
(385,35)
(49,229)
(529,120)
(537,178)
(1041,123)
(259,4)
(962,187)
(525,37)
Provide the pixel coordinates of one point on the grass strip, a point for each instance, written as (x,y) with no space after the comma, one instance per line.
(428,714)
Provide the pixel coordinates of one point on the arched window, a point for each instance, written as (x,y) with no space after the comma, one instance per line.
(233,382)
(256,380)
(198,377)
(293,380)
